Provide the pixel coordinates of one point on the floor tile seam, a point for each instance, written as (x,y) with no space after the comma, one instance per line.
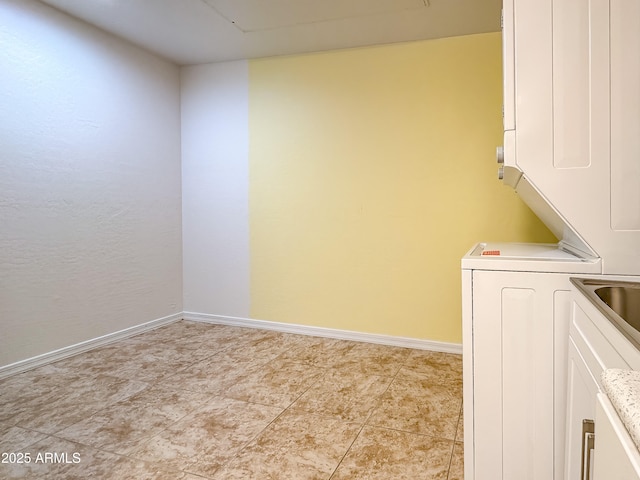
(453,447)
(127,456)
(189,366)
(208,357)
(401,431)
(108,375)
(9,423)
(292,411)
(313,384)
(59,429)
(296,361)
(411,351)
(263,364)
(185,367)
(427,374)
(130,454)
(93,412)
(347,451)
(460,419)
(327,372)
(181,389)
(361,362)
(226,396)
(84,445)
(188,359)
(301,411)
(419,434)
(139,441)
(161,465)
(288,349)
(289,407)
(244,446)
(379,401)
(148,439)
(318,376)
(155,347)
(54,436)
(398,370)
(433,382)
(34,431)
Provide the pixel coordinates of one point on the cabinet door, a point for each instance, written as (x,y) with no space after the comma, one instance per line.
(520,324)
(581,396)
(616,456)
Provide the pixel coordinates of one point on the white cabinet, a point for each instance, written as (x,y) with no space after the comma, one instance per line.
(594,346)
(572,120)
(582,391)
(515,327)
(616,456)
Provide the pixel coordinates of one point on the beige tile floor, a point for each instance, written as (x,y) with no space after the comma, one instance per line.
(194,400)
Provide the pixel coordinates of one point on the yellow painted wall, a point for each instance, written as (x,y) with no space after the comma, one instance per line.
(372,172)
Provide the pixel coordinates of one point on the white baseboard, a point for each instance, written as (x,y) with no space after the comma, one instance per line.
(65,352)
(326,332)
(54,356)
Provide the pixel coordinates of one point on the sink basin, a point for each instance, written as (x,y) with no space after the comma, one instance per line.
(618,301)
(624,300)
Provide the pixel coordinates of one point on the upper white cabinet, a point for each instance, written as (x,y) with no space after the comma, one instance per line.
(572,119)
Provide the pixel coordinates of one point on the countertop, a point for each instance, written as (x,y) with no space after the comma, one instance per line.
(623,389)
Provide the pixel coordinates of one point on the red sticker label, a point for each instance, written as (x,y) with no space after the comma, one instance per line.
(490,252)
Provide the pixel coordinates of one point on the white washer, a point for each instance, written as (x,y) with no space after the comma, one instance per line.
(515,324)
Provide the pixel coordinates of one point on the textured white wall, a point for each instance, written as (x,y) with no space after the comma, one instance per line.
(215,188)
(90,207)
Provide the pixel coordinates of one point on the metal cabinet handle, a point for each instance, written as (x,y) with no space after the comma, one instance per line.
(588,443)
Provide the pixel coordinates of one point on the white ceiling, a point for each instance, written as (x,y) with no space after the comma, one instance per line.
(203,31)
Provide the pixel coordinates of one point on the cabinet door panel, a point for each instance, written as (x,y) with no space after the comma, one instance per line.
(527,335)
(571,96)
(515,342)
(625,114)
(582,391)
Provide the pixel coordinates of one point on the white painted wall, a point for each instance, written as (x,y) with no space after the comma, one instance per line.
(215,172)
(90,207)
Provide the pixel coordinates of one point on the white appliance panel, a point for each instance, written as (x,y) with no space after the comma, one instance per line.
(571,150)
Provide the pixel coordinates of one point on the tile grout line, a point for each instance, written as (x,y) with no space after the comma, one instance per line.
(365,422)
(324,371)
(241,449)
(453,446)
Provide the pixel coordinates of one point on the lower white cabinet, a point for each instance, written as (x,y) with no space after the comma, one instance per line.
(616,456)
(594,346)
(515,328)
(582,391)
(534,350)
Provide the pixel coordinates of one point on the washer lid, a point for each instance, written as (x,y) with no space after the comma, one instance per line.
(529,257)
(524,251)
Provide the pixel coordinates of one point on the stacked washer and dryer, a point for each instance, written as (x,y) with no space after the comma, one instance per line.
(572,153)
